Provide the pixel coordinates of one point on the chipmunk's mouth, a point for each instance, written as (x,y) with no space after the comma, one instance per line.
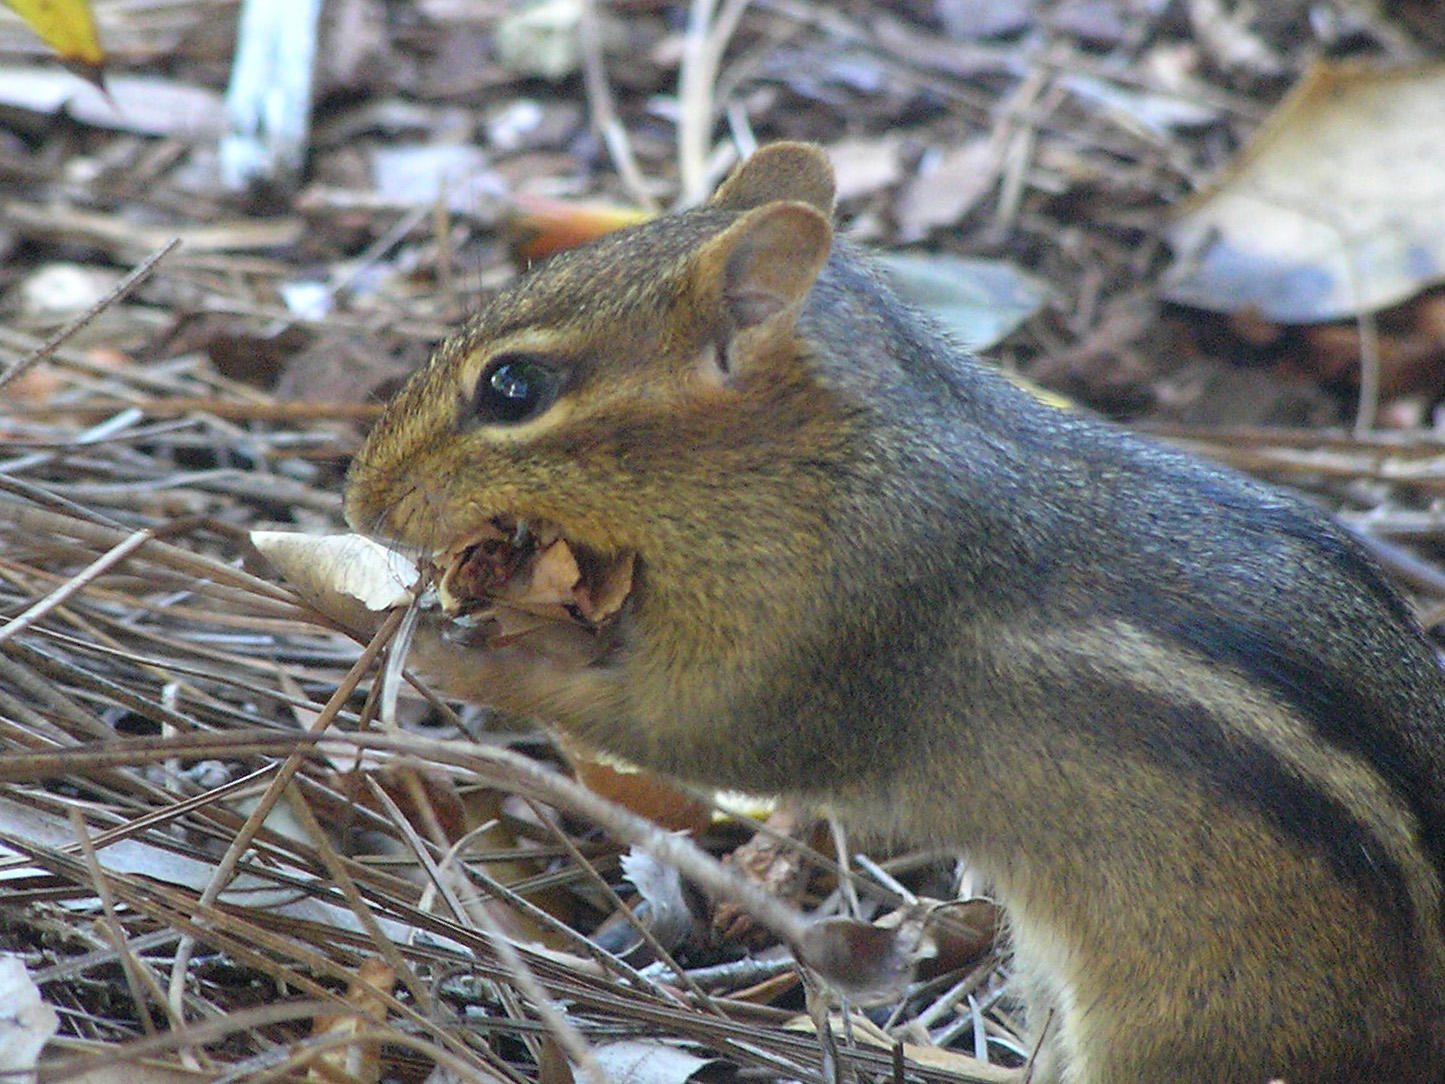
(516,577)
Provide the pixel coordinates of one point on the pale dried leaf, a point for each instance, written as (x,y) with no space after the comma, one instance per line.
(946,188)
(357,1062)
(553,576)
(26,1022)
(863,167)
(651,1062)
(601,600)
(1333,208)
(977,301)
(347,577)
(144,104)
(663,906)
(510,578)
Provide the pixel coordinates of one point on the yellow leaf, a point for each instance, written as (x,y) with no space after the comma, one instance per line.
(65,25)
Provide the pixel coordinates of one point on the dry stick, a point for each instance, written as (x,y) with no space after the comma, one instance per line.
(1012,146)
(341,878)
(134,379)
(101,564)
(44,692)
(615,901)
(434,874)
(43,497)
(702,48)
(184,914)
(226,868)
(115,932)
(29,517)
(142,272)
(627,827)
(496,766)
(437,871)
(561,1028)
(359,265)
(1368,404)
(694,103)
(847,884)
(461,914)
(1368,407)
(242,1020)
(171,907)
(227,409)
(303,1053)
(604,113)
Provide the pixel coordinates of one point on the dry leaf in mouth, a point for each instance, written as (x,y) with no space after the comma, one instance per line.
(599,597)
(537,572)
(507,587)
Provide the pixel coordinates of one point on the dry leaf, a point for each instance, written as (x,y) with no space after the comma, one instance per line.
(554,576)
(644,793)
(961,932)
(26,1022)
(1332,209)
(541,39)
(540,227)
(346,576)
(356,1062)
(637,1061)
(977,301)
(144,104)
(867,964)
(947,188)
(507,567)
(773,863)
(862,167)
(601,596)
(663,904)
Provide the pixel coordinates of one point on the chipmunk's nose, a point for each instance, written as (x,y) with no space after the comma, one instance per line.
(400,508)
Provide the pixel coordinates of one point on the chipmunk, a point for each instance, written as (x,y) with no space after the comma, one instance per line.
(1177,719)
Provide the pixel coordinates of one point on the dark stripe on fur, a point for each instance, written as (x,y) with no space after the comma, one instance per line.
(1247,774)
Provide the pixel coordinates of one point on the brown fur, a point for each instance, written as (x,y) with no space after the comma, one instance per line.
(1178,719)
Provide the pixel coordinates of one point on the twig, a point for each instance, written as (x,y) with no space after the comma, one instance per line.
(561,1028)
(501,766)
(702,49)
(137,976)
(101,564)
(615,901)
(604,113)
(226,868)
(297,413)
(142,272)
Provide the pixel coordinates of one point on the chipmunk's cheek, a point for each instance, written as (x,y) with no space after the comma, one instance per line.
(525,585)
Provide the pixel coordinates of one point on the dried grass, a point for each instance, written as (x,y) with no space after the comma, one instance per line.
(191,760)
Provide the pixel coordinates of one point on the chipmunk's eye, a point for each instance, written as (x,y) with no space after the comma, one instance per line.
(513,388)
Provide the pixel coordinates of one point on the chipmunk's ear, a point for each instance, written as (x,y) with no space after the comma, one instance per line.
(758,270)
(780,171)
